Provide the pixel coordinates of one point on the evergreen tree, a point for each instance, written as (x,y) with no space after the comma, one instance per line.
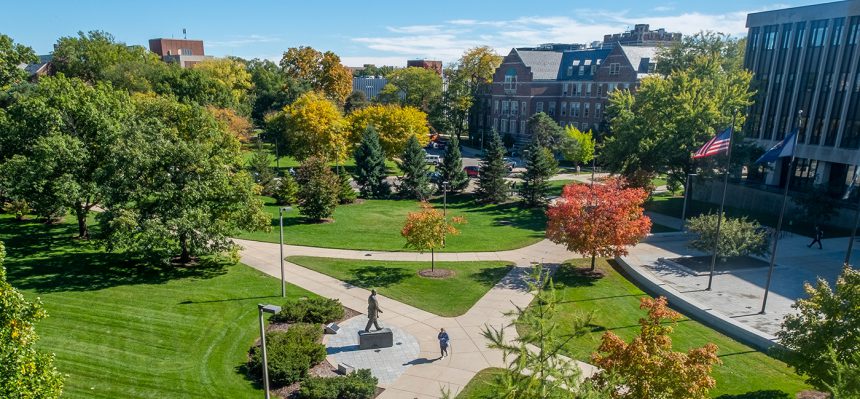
(370,172)
(262,172)
(492,186)
(286,191)
(451,169)
(540,166)
(415,180)
(318,189)
(346,194)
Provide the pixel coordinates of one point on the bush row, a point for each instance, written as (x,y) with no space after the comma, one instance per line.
(312,310)
(358,385)
(290,353)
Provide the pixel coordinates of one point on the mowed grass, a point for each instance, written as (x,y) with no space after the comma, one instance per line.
(481,385)
(127,330)
(285,163)
(376,225)
(447,297)
(615,303)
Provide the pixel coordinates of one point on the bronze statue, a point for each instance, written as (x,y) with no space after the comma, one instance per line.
(372,312)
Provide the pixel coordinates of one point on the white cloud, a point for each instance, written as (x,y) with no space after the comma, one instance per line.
(240,41)
(415,29)
(357,61)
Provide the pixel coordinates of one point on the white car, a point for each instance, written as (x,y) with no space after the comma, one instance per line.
(432,159)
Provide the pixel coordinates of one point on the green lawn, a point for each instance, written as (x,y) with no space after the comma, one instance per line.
(123,330)
(673,206)
(615,303)
(376,225)
(479,387)
(287,162)
(399,280)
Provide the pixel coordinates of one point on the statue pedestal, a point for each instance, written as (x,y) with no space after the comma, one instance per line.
(375,339)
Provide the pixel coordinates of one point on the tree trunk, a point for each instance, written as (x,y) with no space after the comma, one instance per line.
(592,261)
(81,214)
(185,256)
(432,260)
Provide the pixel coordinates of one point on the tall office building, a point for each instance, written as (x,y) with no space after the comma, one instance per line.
(806,59)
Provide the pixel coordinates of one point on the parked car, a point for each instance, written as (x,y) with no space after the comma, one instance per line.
(432,159)
(473,171)
(435,177)
(510,163)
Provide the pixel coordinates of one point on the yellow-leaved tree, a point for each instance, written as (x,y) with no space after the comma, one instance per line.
(312,126)
(427,229)
(395,124)
(232,74)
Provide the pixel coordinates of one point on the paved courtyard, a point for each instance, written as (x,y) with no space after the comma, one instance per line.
(386,364)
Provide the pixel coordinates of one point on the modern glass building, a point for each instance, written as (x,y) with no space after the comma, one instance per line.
(806,59)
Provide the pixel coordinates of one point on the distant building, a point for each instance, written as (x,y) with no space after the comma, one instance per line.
(432,65)
(571,86)
(184,52)
(42,67)
(641,35)
(369,85)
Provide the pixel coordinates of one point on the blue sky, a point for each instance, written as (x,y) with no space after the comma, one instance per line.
(382,32)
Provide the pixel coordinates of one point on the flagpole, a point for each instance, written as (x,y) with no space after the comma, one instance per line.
(722,202)
(781,214)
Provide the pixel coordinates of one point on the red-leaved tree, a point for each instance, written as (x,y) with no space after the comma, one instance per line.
(598,220)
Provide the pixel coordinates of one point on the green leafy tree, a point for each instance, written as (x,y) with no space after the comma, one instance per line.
(822,336)
(260,169)
(738,236)
(356,100)
(373,70)
(451,169)
(659,129)
(546,132)
(91,55)
(179,186)
(322,71)
(286,191)
(272,89)
(473,71)
(535,367)
(492,186)
(346,194)
(24,371)
(540,166)
(579,146)
(61,132)
(318,189)
(11,56)
(818,205)
(413,86)
(19,208)
(415,182)
(370,171)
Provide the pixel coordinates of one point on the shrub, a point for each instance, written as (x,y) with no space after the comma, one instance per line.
(286,191)
(738,236)
(290,353)
(313,310)
(358,385)
(19,208)
(346,194)
(318,189)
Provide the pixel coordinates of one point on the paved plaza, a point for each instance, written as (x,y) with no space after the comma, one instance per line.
(386,364)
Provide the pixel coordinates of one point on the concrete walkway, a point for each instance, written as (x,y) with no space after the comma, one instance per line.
(469,352)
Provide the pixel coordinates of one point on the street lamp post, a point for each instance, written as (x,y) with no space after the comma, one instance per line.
(684,208)
(445,185)
(265,309)
(281,211)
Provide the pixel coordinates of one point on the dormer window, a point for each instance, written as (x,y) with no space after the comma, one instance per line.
(511,80)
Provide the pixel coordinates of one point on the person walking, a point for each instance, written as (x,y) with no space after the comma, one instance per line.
(817,238)
(443,343)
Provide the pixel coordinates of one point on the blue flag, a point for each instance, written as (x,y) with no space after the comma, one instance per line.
(784,148)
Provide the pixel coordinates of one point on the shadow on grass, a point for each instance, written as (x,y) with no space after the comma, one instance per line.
(378,276)
(507,214)
(490,276)
(47,258)
(569,276)
(763,394)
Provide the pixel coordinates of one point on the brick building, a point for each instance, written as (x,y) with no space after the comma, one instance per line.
(185,52)
(426,64)
(642,35)
(571,86)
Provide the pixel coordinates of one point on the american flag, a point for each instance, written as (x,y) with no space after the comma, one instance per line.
(717,145)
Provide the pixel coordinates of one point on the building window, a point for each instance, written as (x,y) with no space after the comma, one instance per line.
(504,126)
(570,70)
(515,108)
(581,70)
(511,80)
(597,111)
(816,39)
(524,108)
(769,39)
(539,107)
(551,108)
(496,106)
(574,89)
(563,108)
(564,91)
(614,68)
(854,32)
(523,127)
(611,87)
(513,126)
(185,51)
(505,107)
(574,110)
(599,90)
(587,89)
(585,109)
(837,32)
(496,124)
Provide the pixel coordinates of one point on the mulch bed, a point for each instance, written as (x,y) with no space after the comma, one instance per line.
(437,273)
(703,263)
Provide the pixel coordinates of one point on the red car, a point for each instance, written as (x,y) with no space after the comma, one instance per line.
(473,171)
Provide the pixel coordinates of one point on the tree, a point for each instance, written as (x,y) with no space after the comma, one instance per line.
(546,132)
(469,74)
(356,100)
(178,185)
(578,146)
(345,194)
(24,371)
(540,166)
(236,124)
(492,186)
(818,205)
(261,171)
(286,191)
(659,129)
(272,89)
(534,365)
(395,125)
(415,182)
(451,169)
(12,55)
(601,220)
(318,189)
(370,170)
(323,71)
(91,55)
(373,70)
(19,208)
(417,87)
(61,132)
(823,334)
(738,236)
(230,73)
(427,229)
(312,126)
(649,366)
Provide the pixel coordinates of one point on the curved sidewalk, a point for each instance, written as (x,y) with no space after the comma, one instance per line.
(469,351)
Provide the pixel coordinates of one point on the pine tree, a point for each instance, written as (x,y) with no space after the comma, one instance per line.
(370,172)
(346,194)
(287,190)
(263,173)
(492,186)
(318,189)
(415,182)
(451,169)
(540,166)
